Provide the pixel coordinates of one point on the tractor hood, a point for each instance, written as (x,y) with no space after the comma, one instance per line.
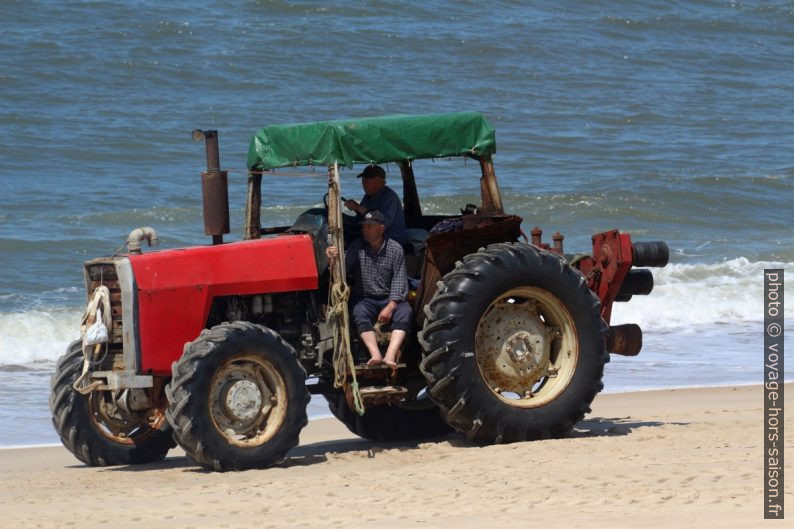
(175,288)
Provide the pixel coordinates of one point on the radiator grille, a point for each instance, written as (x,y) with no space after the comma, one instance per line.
(103,272)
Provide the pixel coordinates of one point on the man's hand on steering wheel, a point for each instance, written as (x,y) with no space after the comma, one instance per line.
(354,206)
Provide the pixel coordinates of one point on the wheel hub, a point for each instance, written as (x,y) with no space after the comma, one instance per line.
(247,400)
(525,347)
(244,400)
(527,351)
(513,346)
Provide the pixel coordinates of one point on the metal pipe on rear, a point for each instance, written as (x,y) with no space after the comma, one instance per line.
(625,340)
(651,253)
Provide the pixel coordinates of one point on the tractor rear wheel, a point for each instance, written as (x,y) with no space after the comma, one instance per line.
(238,397)
(94,429)
(514,345)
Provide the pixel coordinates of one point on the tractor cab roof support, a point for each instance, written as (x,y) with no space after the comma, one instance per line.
(253,203)
(491,198)
(411,206)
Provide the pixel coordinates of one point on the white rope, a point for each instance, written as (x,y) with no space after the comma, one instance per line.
(343,362)
(99,306)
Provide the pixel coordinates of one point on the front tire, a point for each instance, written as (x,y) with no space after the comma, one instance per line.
(514,345)
(93,429)
(238,397)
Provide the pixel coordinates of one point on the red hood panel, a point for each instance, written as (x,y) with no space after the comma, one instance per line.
(176,287)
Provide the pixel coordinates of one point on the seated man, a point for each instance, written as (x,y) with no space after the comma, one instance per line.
(380,289)
(379,196)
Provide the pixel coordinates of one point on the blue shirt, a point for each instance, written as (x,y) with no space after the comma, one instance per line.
(387,202)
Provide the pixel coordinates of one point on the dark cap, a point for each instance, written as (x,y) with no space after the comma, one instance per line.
(374,217)
(371,171)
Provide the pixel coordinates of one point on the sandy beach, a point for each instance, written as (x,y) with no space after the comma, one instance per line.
(670,458)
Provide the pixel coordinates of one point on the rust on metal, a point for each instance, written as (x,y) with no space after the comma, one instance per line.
(247,400)
(537,235)
(215,193)
(625,340)
(513,346)
(253,204)
(378,395)
(213,153)
(612,250)
(557,238)
(491,198)
(526,347)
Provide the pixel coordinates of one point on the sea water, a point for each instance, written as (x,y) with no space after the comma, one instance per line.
(671,121)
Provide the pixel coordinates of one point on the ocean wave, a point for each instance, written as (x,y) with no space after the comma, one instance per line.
(37,335)
(693,296)
(687,298)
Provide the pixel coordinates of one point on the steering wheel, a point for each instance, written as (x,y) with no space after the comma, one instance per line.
(325,204)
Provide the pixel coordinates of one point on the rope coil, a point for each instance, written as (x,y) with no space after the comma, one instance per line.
(343,356)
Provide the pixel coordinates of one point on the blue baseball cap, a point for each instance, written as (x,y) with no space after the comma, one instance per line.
(374,217)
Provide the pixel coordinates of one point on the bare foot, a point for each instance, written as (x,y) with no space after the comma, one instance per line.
(374,361)
(391,363)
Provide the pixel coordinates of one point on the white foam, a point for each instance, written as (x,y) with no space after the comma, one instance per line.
(689,296)
(686,297)
(37,335)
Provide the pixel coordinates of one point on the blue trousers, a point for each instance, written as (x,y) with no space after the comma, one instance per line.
(366,310)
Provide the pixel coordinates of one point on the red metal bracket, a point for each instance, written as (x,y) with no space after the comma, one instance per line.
(607,268)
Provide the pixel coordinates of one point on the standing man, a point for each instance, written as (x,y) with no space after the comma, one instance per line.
(379,196)
(380,288)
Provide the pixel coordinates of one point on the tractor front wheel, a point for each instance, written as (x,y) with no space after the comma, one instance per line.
(238,397)
(94,429)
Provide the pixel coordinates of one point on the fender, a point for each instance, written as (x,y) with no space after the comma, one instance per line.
(175,288)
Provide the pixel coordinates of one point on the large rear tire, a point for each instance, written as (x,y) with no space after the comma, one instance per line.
(514,345)
(94,429)
(238,397)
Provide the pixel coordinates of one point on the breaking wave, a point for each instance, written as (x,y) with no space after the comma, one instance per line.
(686,297)
(690,296)
(37,335)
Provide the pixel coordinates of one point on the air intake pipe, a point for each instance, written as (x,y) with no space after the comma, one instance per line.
(138,235)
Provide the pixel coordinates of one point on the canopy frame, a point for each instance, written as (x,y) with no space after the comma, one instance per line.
(391,139)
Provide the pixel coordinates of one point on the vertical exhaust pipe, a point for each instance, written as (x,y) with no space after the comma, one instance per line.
(214,188)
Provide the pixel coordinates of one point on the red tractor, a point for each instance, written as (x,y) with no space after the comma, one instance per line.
(210,347)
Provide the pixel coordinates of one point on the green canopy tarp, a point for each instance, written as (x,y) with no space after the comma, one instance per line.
(371,140)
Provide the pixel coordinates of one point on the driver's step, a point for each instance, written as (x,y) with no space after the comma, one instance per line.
(376,371)
(380,395)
